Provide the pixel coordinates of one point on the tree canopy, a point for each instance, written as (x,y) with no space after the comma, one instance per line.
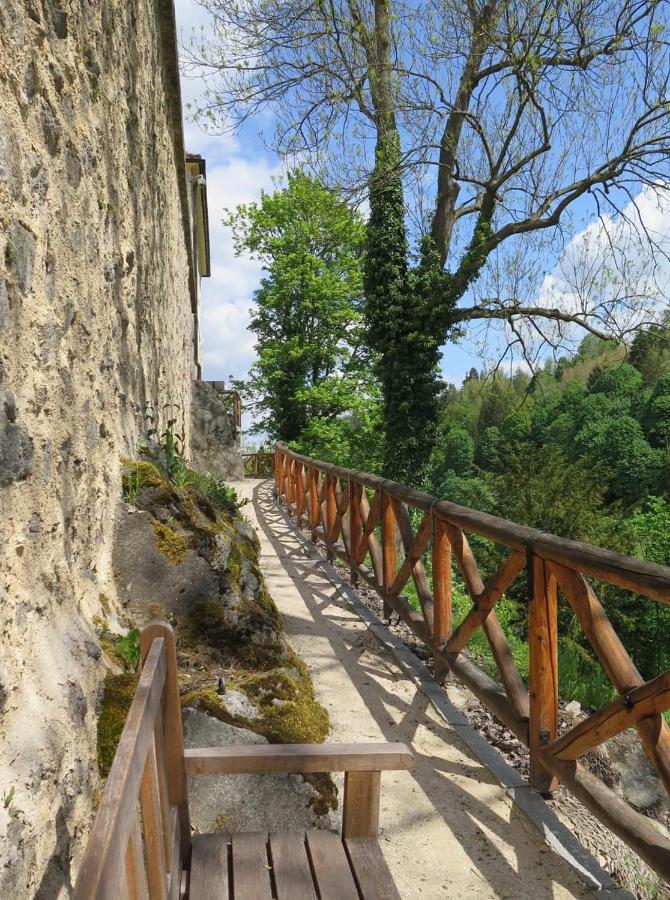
(310,381)
(476,129)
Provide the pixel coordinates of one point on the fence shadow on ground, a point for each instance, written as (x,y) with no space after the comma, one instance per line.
(474,824)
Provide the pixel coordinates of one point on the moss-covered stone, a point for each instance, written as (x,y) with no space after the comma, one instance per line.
(289,713)
(173,544)
(237,628)
(117,697)
(248,628)
(298,717)
(137,474)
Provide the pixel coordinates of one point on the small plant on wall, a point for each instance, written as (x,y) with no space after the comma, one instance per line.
(169,440)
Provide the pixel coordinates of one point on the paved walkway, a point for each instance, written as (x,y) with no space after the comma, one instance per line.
(447,828)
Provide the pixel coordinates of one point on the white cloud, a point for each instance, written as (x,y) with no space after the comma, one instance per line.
(236,173)
(616,270)
(228,347)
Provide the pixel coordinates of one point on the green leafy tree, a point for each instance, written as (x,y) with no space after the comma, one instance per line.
(650,352)
(311,375)
(656,413)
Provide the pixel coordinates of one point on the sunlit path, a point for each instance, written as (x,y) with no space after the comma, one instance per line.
(447,829)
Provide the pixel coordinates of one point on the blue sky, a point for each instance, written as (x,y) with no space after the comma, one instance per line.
(238,169)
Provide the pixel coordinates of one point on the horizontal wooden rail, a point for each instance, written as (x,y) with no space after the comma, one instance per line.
(365,520)
(273,758)
(258,464)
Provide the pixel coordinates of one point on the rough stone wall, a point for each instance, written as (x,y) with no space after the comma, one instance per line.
(215,441)
(95,321)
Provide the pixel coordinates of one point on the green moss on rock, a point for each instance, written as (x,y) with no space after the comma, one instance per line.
(173,544)
(298,717)
(117,697)
(249,631)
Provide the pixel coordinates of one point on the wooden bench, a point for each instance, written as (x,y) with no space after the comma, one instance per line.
(141,844)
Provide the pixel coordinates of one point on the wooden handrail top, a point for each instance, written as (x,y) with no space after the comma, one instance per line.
(107,844)
(646,578)
(249,759)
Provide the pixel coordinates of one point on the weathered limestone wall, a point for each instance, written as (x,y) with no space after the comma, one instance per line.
(95,321)
(215,440)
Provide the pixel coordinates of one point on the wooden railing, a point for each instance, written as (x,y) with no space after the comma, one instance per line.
(235,406)
(141,839)
(348,509)
(258,464)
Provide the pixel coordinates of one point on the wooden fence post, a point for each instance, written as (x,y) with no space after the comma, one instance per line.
(314,505)
(388,548)
(299,492)
(543,668)
(442,623)
(174,738)
(355,528)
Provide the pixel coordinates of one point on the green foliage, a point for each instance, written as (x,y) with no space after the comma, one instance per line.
(128,649)
(656,413)
(581,678)
(459,450)
(169,440)
(582,456)
(621,381)
(398,313)
(311,378)
(650,352)
(222,495)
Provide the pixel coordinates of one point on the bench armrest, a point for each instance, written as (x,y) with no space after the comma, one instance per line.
(246,759)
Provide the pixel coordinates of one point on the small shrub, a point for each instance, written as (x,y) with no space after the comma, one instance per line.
(216,490)
(128,649)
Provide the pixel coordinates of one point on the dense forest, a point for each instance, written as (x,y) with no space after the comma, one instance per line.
(580,447)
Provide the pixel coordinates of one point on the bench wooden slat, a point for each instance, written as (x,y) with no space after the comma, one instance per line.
(152,819)
(209,867)
(372,875)
(174,883)
(251,868)
(136,875)
(290,866)
(331,866)
(255,758)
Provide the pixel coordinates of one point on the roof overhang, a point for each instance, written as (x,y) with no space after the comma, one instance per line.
(197,170)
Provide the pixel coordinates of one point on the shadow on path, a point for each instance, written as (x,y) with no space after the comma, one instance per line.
(476,826)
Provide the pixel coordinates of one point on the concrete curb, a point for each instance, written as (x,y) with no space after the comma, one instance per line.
(555,833)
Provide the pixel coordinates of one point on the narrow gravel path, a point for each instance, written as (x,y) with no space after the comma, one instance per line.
(447,828)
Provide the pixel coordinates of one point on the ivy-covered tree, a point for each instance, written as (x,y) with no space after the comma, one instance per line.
(311,376)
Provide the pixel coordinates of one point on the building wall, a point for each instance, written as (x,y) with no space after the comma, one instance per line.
(95,322)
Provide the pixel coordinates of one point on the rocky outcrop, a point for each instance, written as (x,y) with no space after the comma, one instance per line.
(245,802)
(95,321)
(186,554)
(215,440)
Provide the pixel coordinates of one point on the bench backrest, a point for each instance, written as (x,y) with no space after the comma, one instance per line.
(141,839)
